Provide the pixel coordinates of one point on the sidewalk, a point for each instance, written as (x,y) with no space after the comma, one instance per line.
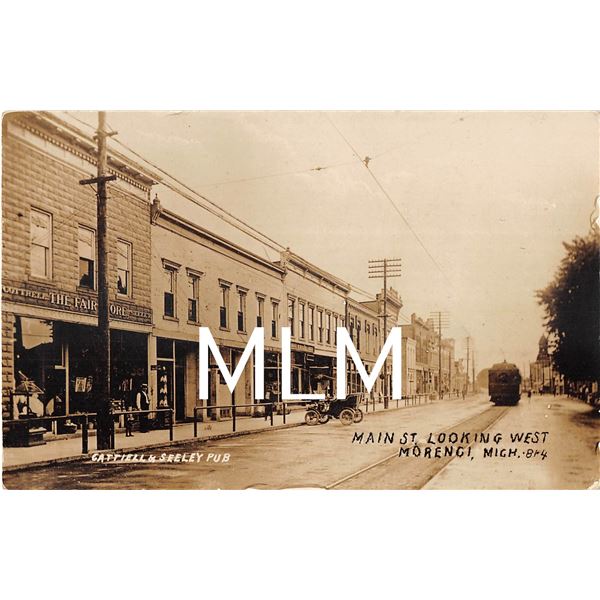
(62,450)
(70,449)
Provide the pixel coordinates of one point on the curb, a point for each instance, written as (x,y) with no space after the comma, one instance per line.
(84,457)
(219,436)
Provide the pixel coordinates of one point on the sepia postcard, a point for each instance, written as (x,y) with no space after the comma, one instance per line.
(286,299)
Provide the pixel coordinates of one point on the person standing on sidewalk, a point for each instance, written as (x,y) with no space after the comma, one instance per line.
(129,423)
(142,402)
(268,403)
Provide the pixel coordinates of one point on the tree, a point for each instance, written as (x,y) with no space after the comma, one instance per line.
(572,306)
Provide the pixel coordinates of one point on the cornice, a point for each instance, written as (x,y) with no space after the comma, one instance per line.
(81,147)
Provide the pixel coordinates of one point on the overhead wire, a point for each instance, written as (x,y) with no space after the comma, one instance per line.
(248,229)
(274,175)
(365,163)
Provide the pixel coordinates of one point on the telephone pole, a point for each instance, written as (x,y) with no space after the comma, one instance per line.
(382,269)
(473,367)
(468,353)
(101,384)
(443,321)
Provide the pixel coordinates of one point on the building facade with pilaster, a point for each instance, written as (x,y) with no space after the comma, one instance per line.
(49,268)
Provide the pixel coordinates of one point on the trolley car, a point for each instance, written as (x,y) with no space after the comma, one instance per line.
(504,383)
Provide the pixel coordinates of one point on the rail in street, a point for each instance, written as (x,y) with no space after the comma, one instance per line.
(329,456)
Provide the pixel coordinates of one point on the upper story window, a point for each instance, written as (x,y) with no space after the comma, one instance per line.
(87,257)
(292,315)
(357,334)
(301,320)
(241,315)
(328,328)
(367,335)
(124,254)
(193,296)
(224,308)
(260,310)
(40,238)
(170,292)
(311,323)
(320,325)
(274,319)
(335,327)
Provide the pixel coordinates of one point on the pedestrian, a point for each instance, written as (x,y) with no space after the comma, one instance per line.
(142,402)
(129,423)
(268,402)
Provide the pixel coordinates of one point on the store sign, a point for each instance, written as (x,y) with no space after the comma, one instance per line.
(75,303)
(302,347)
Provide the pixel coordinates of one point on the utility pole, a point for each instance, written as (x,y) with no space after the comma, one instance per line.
(101,384)
(450,357)
(468,352)
(382,269)
(473,367)
(443,320)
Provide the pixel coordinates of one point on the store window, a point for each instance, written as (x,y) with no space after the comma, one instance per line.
(274,319)
(40,244)
(224,308)
(124,254)
(39,368)
(241,315)
(87,254)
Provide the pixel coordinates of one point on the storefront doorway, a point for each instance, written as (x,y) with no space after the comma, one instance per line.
(177,380)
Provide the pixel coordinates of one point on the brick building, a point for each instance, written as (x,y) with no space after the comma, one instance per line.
(49,276)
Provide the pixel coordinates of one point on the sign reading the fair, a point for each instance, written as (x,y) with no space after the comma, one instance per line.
(74,303)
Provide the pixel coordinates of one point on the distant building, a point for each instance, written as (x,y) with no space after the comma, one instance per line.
(423,332)
(409,366)
(541,370)
(364,329)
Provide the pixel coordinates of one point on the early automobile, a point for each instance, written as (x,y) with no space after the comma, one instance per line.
(347,411)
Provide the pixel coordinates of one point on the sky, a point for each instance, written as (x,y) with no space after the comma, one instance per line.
(476,204)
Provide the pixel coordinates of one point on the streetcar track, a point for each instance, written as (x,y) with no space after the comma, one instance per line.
(382,461)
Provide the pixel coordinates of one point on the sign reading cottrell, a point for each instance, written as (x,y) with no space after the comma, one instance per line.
(81,304)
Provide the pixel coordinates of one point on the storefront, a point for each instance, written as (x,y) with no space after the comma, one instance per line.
(55,351)
(311,373)
(177,376)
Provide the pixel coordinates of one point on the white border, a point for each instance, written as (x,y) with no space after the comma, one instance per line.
(309,55)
